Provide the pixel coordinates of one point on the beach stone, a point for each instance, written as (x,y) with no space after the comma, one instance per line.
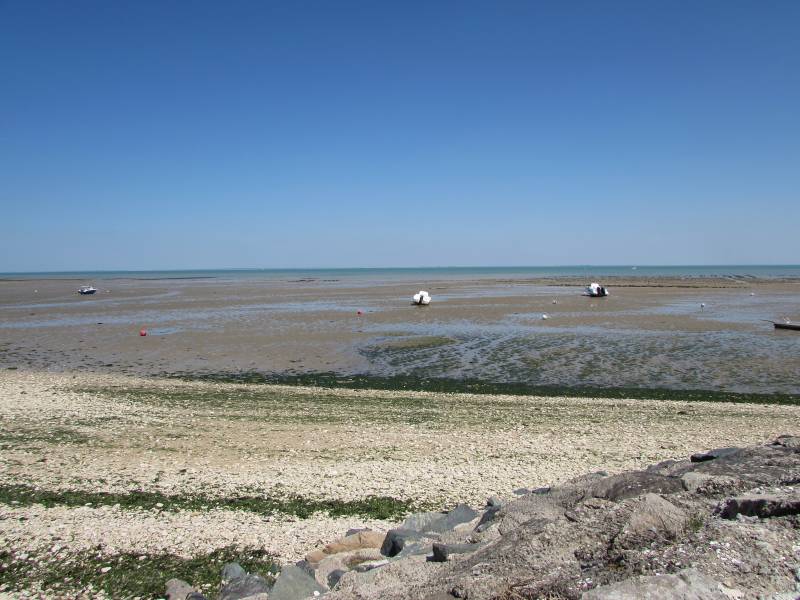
(652,517)
(294,584)
(688,584)
(334,577)
(494,502)
(761,506)
(244,586)
(437,522)
(460,514)
(632,484)
(671,467)
(356,541)
(370,564)
(487,518)
(415,549)
(421,521)
(177,589)
(196,596)
(705,484)
(313,558)
(344,561)
(305,566)
(788,441)
(713,454)
(232,571)
(396,540)
(442,552)
(527,508)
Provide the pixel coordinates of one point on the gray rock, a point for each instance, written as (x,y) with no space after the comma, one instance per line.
(761,506)
(196,596)
(344,561)
(666,467)
(487,518)
(632,484)
(244,586)
(442,552)
(334,577)
(713,454)
(688,584)
(305,566)
(232,571)
(651,518)
(421,521)
(494,502)
(459,515)
(705,484)
(437,522)
(526,509)
(370,564)
(396,540)
(177,589)
(415,549)
(788,441)
(571,516)
(294,584)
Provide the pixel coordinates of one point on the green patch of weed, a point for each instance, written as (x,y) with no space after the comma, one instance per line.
(374,507)
(126,575)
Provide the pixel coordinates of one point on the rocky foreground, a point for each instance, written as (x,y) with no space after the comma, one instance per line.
(718,525)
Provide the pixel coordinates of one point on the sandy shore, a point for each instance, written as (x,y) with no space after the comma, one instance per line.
(111,433)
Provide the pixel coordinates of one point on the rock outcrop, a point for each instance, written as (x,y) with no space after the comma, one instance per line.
(721,524)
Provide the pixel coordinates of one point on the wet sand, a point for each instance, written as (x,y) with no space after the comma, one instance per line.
(648,333)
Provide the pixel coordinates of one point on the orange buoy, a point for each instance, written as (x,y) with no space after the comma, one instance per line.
(143,332)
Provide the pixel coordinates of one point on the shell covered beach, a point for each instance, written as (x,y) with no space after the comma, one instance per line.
(98,467)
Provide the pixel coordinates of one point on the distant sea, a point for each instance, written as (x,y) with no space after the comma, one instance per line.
(587,272)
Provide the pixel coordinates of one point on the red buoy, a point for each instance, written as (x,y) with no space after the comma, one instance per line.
(143,332)
(359,313)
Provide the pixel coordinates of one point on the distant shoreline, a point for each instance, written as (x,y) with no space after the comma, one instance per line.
(614,272)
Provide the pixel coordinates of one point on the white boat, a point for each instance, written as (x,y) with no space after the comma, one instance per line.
(86,290)
(422,298)
(595,290)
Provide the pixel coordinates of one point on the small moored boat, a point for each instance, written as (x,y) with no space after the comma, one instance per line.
(86,290)
(792,326)
(595,290)
(422,298)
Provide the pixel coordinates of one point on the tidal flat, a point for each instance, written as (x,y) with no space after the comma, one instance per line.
(680,334)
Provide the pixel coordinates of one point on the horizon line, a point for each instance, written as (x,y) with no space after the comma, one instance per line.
(351,268)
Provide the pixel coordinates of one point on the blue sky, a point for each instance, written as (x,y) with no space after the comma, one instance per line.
(150,135)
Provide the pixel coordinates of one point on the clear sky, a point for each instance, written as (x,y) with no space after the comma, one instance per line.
(165,134)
